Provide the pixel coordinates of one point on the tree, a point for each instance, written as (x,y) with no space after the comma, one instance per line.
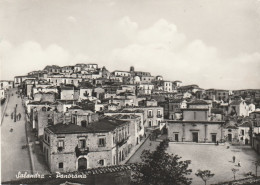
(234,172)
(205,175)
(161,168)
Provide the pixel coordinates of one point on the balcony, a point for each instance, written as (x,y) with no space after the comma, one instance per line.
(159,115)
(149,116)
(60,149)
(81,151)
(122,142)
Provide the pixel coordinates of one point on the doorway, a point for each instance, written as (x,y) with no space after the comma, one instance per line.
(230,137)
(195,136)
(214,138)
(176,137)
(246,141)
(82,164)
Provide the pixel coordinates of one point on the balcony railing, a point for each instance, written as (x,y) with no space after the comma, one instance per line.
(150,116)
(81,151)
(159,115)
(60,149)
(122,142)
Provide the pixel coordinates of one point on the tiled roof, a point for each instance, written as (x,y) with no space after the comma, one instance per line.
(202,122)
(195,109)
(49,92)
(231,124)
(245,124)
(83,85)
(42,103)
(125,111)
(124,116)
(175,100)
(255,112)
(67,88)
(103,125)
(198,102)
(66,101)
(216,111)
(75,107)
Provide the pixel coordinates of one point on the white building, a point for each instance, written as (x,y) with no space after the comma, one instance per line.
(167,86)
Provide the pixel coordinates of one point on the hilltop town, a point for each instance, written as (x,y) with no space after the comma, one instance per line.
(85,116)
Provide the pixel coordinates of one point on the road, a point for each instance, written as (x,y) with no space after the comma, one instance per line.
(13,157)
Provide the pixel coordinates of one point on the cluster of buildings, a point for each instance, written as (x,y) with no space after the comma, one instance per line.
(87,117)
(5,85)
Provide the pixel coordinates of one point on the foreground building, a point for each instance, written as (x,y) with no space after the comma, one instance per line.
(69,147)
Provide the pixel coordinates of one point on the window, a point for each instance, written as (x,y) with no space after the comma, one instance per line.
(83,123)
(242,132)
(82,143)
(60,165)
(101,162)
(150,113)
(48,139)
(101,142)
(60,145)
(158,112)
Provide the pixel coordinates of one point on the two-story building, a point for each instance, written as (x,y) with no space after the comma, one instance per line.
(70,147)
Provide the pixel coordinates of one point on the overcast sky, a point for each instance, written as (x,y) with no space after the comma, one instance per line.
(212,43)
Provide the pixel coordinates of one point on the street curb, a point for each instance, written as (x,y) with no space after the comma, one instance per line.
(137,148)
(27,140)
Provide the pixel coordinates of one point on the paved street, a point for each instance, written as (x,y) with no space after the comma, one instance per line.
(147,145)
(13,157)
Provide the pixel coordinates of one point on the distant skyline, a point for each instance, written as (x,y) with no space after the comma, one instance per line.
(211,43)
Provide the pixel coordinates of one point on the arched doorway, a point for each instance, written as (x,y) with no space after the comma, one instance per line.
(82,164)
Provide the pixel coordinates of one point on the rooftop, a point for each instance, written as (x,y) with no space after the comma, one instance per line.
(202,122)
(198,102)
(195,109)
(175,100)
(216,111)
(245,124)
(124,116)
(42,103)
(103,125)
